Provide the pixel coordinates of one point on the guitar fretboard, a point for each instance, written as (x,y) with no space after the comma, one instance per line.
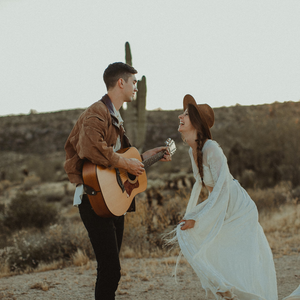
(153,159)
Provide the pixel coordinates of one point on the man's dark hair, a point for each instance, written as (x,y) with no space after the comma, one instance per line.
(116,71)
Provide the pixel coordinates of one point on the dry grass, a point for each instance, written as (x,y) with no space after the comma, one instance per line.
(43,267)
(271,199)
(279,214)
(80,258)
(68,243)
(4,269)
(282,229)
(44,286)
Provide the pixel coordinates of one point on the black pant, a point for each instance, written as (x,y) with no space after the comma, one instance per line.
(106,237)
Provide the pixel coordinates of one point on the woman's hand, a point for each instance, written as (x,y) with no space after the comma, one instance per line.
(187,224)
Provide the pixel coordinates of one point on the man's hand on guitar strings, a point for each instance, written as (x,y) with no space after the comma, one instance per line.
(134,166)
(167,156)
(151,152)
(131,165)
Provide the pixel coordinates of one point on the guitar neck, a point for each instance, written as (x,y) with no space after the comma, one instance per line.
(153,159)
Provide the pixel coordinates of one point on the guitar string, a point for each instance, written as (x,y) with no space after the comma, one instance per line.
(150,159)
(155,157)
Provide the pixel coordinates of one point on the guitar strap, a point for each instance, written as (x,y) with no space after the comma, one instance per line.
(89,190)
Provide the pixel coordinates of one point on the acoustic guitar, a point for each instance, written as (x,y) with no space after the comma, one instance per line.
(111,191)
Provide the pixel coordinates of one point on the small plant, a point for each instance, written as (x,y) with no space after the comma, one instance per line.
(64,242)
(26,211)
(270,199)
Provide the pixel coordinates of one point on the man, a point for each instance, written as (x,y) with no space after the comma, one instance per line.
(96,136)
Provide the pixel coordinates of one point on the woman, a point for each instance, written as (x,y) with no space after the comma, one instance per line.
(221,237)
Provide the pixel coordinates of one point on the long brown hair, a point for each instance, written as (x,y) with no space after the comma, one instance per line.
(202,135)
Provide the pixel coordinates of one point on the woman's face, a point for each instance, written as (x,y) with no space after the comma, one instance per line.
(185,124)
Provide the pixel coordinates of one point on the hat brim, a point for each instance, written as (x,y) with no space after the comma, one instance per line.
(189,99)
(204,111)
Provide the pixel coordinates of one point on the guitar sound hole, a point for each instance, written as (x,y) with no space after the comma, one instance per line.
(131,177)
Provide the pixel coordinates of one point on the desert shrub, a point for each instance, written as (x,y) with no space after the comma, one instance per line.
(4,232)
(175,207)
(263,198)
(26,211)
(247,178)
(30,181)
(45,168)
(4,184)
(135,232)
(2,208)
(282,229)
(296,194)
(145,228)
(271,199)
(58,242)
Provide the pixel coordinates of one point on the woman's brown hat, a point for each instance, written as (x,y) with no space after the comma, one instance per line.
(206,113)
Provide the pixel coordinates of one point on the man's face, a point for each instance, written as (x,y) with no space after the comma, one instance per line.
(129,88)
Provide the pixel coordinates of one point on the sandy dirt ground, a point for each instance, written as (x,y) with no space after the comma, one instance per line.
(142,279)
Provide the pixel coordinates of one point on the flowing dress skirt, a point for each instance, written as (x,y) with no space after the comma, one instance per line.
(294,295)
(229,251)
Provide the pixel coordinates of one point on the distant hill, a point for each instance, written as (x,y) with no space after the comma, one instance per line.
(261,142)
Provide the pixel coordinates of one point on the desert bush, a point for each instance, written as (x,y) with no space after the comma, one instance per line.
(263,198)
(270,199)
(2,209)
(4,184)
(30,181)
(68,242)
(46,169)
(4,231)
(175,207)
(296,194)
(144,228)
(26,211)
(247,178)
(135,232)
(57,243)
(282,229)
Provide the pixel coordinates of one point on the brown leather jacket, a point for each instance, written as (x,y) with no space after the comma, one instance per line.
(92,138)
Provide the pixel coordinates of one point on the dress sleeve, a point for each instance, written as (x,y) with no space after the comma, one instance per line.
(211,213)
(216,204)
(215,157)
(194,197)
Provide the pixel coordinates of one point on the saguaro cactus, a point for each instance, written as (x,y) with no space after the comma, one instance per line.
(134,115)
(128,57)
(141,125)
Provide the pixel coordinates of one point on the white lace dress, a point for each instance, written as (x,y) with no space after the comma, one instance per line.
(227,248)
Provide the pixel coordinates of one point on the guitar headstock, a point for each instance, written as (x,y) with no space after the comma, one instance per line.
(171,146)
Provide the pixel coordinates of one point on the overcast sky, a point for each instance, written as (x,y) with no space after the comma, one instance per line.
(53,52)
